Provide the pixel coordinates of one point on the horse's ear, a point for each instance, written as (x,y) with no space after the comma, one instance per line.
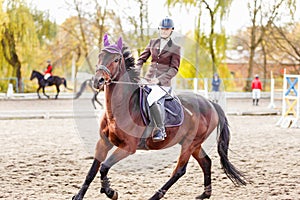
(120,43)
(105,40)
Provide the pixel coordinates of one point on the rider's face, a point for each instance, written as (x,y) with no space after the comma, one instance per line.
(165,32)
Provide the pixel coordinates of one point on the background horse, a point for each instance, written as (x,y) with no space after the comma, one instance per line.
(122,126)
(56,80)
(90,83)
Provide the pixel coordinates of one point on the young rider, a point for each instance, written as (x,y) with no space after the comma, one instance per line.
(165,61)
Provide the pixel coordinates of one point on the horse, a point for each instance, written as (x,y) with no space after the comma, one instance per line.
(122,126)
(56,80)
(90,83)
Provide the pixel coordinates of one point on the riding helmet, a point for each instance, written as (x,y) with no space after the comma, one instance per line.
(166,23)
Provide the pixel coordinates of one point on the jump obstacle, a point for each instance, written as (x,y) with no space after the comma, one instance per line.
(290,102)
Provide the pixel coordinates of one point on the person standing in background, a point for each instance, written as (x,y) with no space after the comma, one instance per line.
(256,89)
(216,81)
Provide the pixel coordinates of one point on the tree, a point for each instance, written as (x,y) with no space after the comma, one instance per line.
(262,15)
(287,43)
(86,29)
(216,43)
(19,38)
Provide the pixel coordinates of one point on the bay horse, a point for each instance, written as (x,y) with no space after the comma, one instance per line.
(56,80)
(122,126)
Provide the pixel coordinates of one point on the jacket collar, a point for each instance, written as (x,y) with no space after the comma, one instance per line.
(157,45)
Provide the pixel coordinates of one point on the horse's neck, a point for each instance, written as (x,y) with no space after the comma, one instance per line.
(117,97)
(39,75)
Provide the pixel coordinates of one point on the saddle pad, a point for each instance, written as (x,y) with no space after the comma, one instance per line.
(173,110)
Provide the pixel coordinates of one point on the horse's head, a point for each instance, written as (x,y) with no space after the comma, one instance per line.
(33,75)
(110,62)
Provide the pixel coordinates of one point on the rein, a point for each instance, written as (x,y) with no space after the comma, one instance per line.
(130,83)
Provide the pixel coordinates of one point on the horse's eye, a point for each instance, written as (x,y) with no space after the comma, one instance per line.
(117,60)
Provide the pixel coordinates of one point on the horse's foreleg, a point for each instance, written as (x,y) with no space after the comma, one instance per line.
(45,93)
(116,156)
(102,148)
(97,100)
(94,99)
(89,178)
(205,164)
(38,92)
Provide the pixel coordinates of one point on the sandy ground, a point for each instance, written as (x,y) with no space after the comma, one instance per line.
(49,159)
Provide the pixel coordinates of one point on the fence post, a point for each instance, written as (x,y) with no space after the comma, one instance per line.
(195,80)
(10,90)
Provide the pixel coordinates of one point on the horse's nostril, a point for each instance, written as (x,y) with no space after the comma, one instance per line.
(101,81)
(98,83)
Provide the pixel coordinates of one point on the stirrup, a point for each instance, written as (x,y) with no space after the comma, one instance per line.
(159,136)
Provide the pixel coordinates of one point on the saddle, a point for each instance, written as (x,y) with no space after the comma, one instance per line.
(173,110)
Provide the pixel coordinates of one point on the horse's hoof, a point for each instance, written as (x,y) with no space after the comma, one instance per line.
(115,197)
(76,197)
(110,193)
(203,196)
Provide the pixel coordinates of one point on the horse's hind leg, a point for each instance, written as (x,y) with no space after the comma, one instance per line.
(102,148)
(205,164)
(57,91)
(177,173)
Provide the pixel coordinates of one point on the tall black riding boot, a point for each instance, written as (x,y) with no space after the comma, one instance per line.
(257,101)
(158,116)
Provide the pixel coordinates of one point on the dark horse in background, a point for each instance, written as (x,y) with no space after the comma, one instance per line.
(90,83)
(56,80)
(122,126)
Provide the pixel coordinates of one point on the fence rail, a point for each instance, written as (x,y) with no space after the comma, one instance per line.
(227,84)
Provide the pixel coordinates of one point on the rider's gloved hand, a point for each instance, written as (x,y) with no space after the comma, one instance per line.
(154,81)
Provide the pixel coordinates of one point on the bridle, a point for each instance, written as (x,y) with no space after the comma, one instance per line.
(107,71)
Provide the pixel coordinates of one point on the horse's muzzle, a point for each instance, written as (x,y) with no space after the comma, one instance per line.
(98,82)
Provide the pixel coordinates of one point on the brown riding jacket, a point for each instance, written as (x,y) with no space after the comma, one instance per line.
(164,63)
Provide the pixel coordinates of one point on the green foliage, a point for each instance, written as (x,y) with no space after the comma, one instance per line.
(45,29)
(22,32)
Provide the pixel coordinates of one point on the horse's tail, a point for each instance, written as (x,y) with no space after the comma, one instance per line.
(65,84)
(82,87)
(223,145)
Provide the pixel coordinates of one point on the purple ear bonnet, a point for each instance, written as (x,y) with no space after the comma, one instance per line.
(112,48)
(105,40)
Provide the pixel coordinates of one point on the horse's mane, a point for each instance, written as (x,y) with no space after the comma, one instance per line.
(134,72)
